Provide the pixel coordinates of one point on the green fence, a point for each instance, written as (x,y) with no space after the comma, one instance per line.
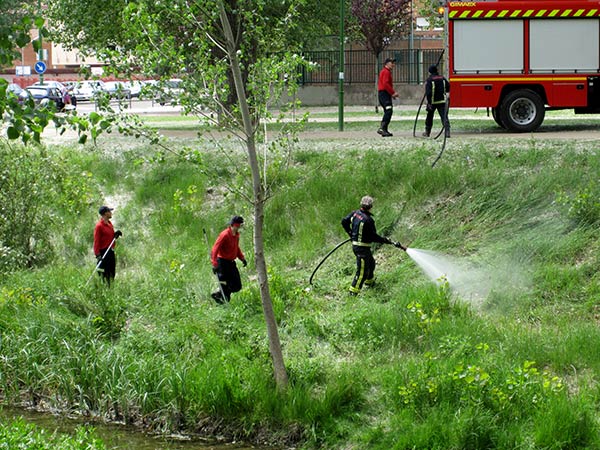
(361,67)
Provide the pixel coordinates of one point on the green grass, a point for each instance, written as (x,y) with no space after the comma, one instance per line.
(406,364)
(18,434)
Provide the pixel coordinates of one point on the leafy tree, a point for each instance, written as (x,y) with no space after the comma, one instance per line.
(379,22)
(14,29)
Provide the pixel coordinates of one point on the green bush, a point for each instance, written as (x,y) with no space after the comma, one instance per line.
(36,187)
(583,206)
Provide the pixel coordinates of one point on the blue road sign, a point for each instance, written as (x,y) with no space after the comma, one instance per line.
(40,67)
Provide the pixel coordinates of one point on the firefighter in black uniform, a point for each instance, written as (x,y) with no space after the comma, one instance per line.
(360,226)
(436,90)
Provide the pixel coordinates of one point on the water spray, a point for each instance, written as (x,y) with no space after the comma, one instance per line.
(468,282)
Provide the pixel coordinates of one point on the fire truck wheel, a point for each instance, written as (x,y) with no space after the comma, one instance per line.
(496,116)
(522,111)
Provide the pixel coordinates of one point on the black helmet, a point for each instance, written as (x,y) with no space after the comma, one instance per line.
(433,69)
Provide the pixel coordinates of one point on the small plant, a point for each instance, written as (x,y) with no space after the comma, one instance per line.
(584,206)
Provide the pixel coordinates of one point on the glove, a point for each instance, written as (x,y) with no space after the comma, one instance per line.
(118,234)
(399,245)
(429,107)
(215,269)
(244,263)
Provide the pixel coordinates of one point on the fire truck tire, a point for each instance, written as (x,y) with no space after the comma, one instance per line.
(496,116)
(522,111)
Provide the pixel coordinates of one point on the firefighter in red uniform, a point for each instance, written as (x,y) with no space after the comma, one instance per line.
(223,255)
(360,226)
(436,90)
(105,238)
(386,93)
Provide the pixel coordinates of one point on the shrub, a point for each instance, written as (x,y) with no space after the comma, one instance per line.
(34,187)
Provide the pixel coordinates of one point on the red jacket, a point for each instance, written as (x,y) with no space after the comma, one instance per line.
(385,81)
(227,246)
(104,233)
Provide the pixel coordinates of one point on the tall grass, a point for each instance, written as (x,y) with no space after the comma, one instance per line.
(406,364)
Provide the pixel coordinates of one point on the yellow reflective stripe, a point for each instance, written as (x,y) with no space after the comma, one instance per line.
(361,244)
(505,13)
(360,231)
(361,273)
(548,78)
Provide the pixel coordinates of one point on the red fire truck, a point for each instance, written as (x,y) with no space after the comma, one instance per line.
(523,57)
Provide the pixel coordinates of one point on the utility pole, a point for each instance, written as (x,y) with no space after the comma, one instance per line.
(341,73)
(40,49)
(411,44)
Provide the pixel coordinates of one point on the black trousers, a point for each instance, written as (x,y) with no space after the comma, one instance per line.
(365,267)
(229,277)
(441,109)
(108,265)
(385,100)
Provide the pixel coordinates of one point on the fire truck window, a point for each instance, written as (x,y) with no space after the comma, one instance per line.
(564,45)
(488,46)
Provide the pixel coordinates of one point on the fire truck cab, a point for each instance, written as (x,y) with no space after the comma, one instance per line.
(521,58)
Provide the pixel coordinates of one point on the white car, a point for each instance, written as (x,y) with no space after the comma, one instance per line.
(88,89)
(168,91)
(117,89)
(56,84)
(134,86)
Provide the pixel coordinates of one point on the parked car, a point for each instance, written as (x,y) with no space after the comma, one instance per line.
(117,89)
(88,89)
(148,89)
(44,95)
(167,91)
(14,89)
(134,86)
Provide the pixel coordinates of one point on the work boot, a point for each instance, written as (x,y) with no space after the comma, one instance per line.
(386,133)
(380,131)
(370,283)
(426,134)
(353,290)
(447,133)
(217,297)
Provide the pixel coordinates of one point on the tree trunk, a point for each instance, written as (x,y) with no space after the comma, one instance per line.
(281,378)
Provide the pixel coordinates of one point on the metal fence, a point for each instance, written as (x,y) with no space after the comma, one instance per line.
(361,67)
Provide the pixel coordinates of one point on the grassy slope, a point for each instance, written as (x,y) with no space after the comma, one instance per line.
(403,365)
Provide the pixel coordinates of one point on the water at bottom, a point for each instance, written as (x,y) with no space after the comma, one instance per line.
(114,436)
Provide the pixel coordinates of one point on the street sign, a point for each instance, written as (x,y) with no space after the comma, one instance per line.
(40,67)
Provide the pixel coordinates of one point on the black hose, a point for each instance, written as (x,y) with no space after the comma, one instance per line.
(326,256)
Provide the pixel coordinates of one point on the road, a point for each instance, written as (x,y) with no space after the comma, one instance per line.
(571,127)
